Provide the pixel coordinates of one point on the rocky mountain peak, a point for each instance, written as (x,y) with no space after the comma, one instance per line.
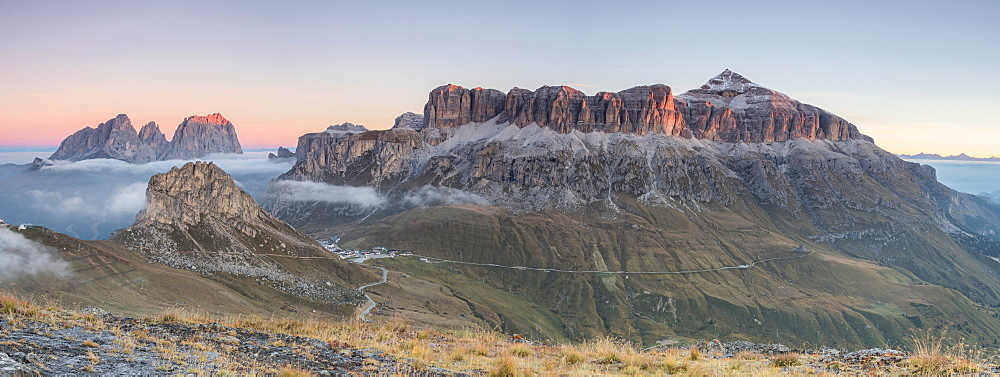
(115,139)
(409,120)
(195,137)
(150,135)
(198,136)
(215,118)
(346,127)
(120,123)
(197,218)
(185,195)
(729,84)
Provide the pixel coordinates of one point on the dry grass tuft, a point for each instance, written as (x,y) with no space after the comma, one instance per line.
(12,305)
(607,350)
(91,343)
(672,363)
(506,367)
(572,355)
(694,354)
(932,355)
(290,371)
(785,360)
(519,350)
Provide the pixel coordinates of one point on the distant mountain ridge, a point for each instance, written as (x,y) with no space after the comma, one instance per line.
(960,157)
(117,139)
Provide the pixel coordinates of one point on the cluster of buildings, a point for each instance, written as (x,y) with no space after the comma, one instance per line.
(19,227)
(375,252)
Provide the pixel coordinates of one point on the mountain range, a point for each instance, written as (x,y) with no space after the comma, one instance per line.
(195,137)
(647,181)
(935,156)
(729,211)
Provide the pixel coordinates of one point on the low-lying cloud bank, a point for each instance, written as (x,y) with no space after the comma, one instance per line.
(21,257)
(305,191)
(437,195)
(367,197)
(91,198)
(127,200)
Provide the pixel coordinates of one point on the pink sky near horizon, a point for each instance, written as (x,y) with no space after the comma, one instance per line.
(258,127)
(915,75)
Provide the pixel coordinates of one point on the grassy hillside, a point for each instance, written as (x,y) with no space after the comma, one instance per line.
(119,279)
(825,298)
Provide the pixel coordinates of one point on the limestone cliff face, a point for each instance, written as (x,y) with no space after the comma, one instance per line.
(728,108)
(453,106)
(556,147)
(198,136)
(336,155)
(117,139)
(197,218)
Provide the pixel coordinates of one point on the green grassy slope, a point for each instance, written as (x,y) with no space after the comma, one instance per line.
(827,298)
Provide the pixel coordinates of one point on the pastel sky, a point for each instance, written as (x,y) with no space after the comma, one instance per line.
(918,76)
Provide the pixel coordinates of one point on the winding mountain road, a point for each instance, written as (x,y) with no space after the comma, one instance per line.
(371,303)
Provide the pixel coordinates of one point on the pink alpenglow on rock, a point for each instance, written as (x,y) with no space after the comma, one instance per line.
(728,108)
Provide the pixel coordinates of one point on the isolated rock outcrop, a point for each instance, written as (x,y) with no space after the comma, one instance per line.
(184,196)
(282,153)
(117,139)
(197,218)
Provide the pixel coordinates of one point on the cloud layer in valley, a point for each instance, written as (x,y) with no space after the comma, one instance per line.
(436,195)
(91,198)
(367,197)
(305,191)
(21,257)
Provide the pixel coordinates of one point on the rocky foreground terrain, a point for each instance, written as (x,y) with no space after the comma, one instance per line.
(49,340)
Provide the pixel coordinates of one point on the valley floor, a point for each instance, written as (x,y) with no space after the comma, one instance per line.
(49,340)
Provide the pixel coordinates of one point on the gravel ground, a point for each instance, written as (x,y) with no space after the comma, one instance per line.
(108,345)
